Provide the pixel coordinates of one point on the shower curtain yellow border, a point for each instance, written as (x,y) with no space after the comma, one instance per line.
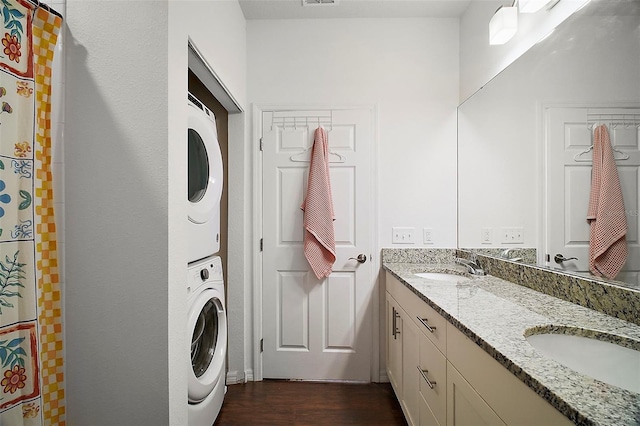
(45,34)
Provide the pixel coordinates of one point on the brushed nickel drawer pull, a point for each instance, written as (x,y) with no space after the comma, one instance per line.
(393,322)
(423,373)
(397,315)
(424,322)
(394,325)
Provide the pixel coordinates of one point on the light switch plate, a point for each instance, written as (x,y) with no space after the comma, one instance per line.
(402,235)
(513,235)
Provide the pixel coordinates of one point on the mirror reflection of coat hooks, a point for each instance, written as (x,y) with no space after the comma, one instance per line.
(611,121)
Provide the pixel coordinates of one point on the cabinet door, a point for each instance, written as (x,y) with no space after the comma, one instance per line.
(394,345)
(515,402)
(464,406)
(426,415)
(410,373)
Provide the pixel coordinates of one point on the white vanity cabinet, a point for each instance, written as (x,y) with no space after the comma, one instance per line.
(442,378)
(415,365)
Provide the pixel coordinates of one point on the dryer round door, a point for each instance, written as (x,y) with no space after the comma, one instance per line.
(204,166)
(208,327)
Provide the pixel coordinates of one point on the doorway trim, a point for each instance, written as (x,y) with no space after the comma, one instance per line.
(201,68)
(256,160)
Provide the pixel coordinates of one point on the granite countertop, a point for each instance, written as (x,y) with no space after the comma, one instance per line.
(495,314)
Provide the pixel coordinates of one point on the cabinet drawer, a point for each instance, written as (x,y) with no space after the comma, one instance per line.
(433,378)
(425,317)
(429,322)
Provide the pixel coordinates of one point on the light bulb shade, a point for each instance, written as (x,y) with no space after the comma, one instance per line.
(503,25)
(531,6)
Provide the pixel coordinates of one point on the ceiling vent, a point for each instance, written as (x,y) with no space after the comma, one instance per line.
(320,2)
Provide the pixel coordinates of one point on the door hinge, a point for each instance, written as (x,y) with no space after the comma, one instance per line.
(261,345)
(547,257)
(261,244)
(261,144)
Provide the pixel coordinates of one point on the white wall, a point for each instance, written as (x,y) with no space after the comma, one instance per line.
(116,177)
(408,68)
(125,175)
(479,61)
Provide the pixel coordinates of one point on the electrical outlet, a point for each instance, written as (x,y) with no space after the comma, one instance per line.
(485,235)
(512,235)
(518,234)
(403,235)
(427,235)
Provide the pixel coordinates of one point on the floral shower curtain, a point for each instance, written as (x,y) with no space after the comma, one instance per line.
(31,361)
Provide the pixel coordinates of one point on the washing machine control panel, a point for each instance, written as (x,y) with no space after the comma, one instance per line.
(206,270)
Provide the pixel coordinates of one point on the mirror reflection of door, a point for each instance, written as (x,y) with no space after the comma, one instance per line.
(569,183)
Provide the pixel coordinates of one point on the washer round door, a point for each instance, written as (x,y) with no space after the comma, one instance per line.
(204,166)
(208,327)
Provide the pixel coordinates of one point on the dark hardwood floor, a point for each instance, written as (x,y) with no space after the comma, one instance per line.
(280,402)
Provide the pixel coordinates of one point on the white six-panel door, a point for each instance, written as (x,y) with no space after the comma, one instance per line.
(317,329)
(569,183)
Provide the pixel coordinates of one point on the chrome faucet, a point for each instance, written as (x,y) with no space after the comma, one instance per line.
(472,266)
(506,255)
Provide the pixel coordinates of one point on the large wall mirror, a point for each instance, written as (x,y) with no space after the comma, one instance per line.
(525,137)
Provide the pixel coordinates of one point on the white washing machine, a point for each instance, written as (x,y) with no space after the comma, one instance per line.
(208,327)
(205,176)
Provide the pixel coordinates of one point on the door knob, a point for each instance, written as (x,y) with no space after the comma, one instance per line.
(558,258)
(361,258)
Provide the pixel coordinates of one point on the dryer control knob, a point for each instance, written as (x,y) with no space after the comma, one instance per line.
(204,274)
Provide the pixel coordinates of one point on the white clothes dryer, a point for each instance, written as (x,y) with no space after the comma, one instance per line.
(207,325)
(205,175)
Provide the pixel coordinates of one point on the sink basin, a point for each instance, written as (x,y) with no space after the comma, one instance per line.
(608,362)
(441,276)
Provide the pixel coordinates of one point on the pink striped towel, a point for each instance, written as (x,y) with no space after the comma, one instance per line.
(319,239)
(606,215)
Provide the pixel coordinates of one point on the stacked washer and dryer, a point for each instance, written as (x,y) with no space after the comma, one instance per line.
(207,321)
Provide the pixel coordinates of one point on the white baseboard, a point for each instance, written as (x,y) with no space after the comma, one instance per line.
(234,378)
(248,375)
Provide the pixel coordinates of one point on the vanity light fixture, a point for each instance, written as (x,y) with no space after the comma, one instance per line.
(531,6)
(503,25)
